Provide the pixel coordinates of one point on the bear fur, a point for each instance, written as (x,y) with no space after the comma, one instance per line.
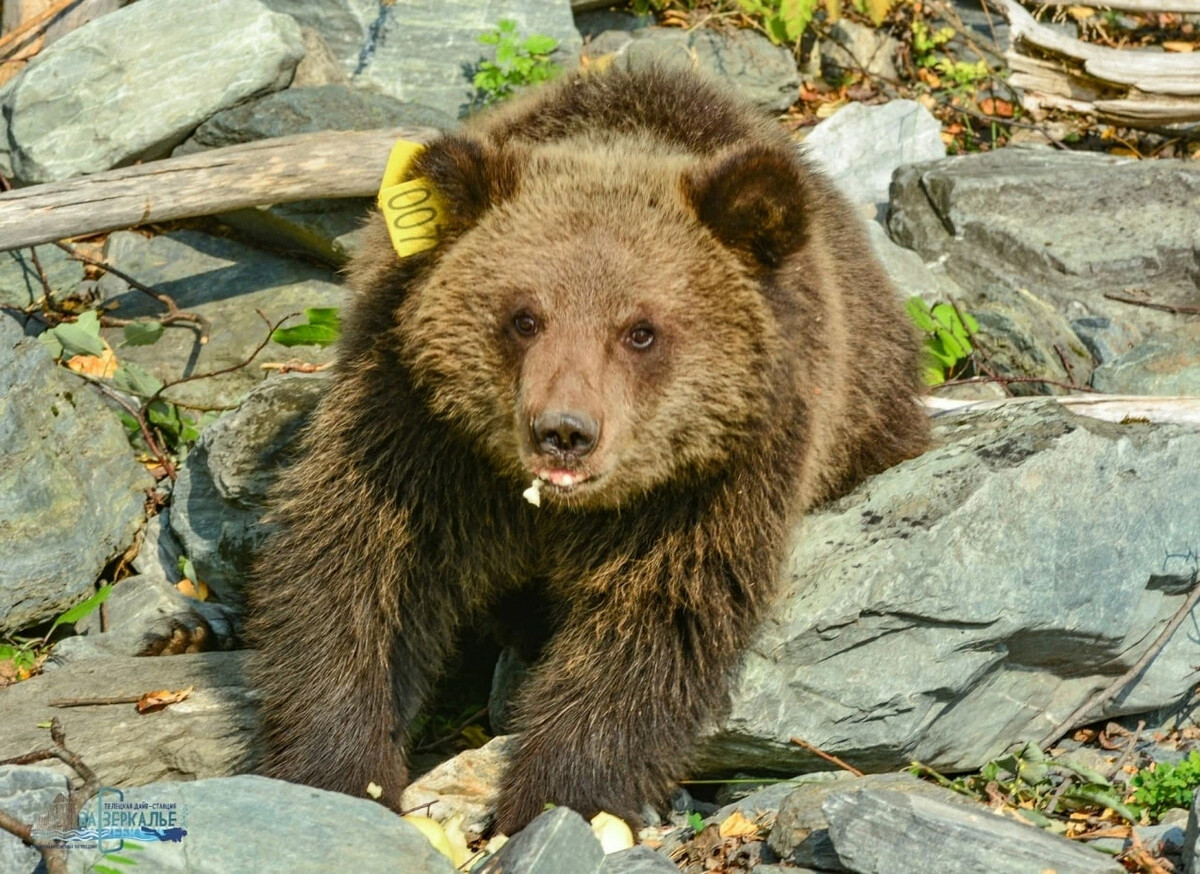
(644,294)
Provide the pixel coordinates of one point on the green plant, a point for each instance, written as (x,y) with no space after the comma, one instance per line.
(784,21)
(965,75)
(321,327)
(1167,786)
(21,657)
(947,348)
(1035,788)
(518,62)
(925,42)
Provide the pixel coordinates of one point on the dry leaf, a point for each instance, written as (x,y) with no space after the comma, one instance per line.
(997,107)
(1081,13)
(153,701)
(197,589)
(827,109)
(101,366)
(1174,45)
(738,826)
(612,832)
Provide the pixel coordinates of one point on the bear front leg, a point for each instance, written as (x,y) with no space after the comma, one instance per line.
(350,633)
(610,718)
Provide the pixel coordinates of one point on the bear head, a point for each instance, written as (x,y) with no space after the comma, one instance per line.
(601,317)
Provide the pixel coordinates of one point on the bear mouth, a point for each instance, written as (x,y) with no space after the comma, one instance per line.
(564,479)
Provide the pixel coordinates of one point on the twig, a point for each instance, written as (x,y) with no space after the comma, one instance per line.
(1062,357)
(173,314)
(424,748)
(152,444)
(93,702)
(1014,379)
(1110,691)
(832,759)
(36,23)
(17,828)
(1057,794)
(271,328)
(1149,304)
(989,367)
(1129,748)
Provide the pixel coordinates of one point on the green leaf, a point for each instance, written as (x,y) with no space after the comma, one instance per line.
(121,860)
(489,39)
(951,345)
(52,344)
(506,25)
(82,336)
(540,44)
(134,379)
(918,311)
(304,335)
(326,316)
(187,568)
(143,333)
(1094,793)
(696,821)
(82,609)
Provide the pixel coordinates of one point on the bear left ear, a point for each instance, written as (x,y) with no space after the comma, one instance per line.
(753,199)
(469,177)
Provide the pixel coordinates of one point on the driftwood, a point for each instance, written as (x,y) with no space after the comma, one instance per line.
(307,166)
(1127,87)
(1192,6)
(1108,408)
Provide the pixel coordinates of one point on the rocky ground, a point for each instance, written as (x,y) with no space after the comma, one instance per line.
(968,610)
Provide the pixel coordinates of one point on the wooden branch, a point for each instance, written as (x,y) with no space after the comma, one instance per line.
(36,23)
(1107,408)
(308,166)
(1138,89)
(1192,6)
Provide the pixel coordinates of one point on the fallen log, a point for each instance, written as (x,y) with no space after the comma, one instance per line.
(329,164)
(1181,6)
(1135,88)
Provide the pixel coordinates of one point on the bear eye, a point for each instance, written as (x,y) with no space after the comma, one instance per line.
(525,323)
(641,337)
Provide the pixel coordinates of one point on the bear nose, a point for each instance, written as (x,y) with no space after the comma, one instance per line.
(566,432)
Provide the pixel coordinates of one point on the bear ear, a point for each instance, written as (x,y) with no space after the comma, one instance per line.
(469,176)
(753,199)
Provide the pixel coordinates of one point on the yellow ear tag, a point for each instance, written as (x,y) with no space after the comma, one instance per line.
(411,207)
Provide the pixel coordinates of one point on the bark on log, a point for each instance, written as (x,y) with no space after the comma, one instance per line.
(1108,408)
(303,167)
(1134,88)
(1192,6)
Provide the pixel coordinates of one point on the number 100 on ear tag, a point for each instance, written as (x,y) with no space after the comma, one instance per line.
(411,207)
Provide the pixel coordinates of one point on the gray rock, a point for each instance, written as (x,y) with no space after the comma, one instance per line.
(912,276)
(908,627)
(319,65)
(637,860)
(25,793)
(137,607)
(592,24)
(1168,364)
(20,284)
(220,493)
(1191,846)
(892,833)
(762,800)
(308,110)
(71,492)
(1104,338)
(800,834)
(743,60)
(328,230)
(852,47)
(247,825)
(996,219)
(467,785)
(559,841)
(132,84)
(225,282)
(206,735)
(344,25)
(160,551)
(861,146)
(426,52)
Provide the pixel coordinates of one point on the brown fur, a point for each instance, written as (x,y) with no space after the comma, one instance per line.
(781,372)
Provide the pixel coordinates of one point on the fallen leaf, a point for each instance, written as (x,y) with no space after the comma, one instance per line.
(152,701)
(738,826)
(197,589)
(101,366)
(1081,13)
(1174,45)
(612,832)
(827,109)
(997,107)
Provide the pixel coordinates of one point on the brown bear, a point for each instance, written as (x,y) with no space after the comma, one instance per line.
(644,298)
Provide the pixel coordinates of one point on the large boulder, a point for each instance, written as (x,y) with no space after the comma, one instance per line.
(135,82)
(994,221)
(975,596)
(71,494)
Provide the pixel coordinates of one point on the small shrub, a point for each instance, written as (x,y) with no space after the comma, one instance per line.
(1167,786)
(518,62)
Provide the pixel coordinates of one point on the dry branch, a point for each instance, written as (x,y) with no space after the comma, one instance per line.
(1135,88)
(307,166)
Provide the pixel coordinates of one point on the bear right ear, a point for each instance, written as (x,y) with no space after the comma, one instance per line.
(753,199)
(469,177)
